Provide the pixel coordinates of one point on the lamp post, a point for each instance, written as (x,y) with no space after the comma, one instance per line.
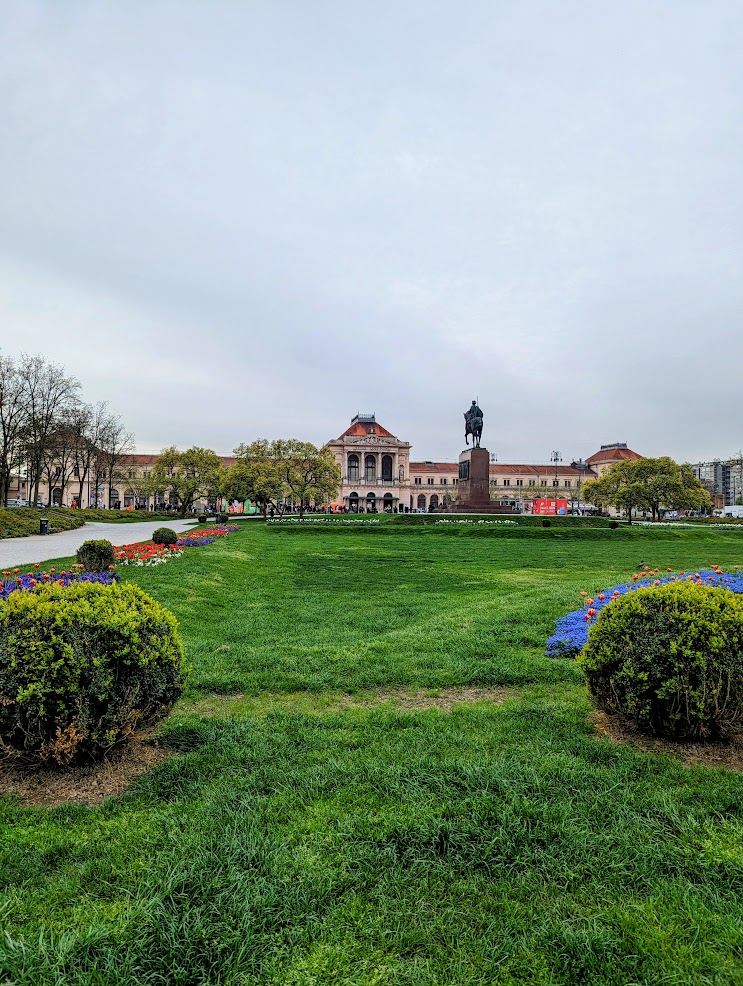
(556,458)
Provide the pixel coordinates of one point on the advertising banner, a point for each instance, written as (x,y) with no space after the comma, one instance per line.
(552,507)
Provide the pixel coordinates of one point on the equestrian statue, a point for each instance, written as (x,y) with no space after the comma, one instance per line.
(473,425)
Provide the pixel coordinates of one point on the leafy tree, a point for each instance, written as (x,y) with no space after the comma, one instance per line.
(648,484)
(310,474)
(255,475)
(186,476)
(618,487)
(272,472)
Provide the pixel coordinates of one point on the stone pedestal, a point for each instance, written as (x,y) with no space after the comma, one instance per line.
(473,489)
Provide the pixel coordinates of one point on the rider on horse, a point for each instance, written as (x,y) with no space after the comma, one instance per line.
(473,419)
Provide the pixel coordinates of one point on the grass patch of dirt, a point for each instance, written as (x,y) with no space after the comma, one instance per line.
(327,702)
(692,754)
(84,784)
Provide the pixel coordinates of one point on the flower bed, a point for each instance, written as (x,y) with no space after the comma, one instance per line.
(14,581)
(147,553)
(337,521)
(571,631)
(513,523)
(201,536)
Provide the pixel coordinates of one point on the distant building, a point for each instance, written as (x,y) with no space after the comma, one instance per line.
(607,455)
(723,479)
(378,473)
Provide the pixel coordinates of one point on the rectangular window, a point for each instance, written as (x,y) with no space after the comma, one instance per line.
(532,482)
(568,483)
(76,472)
(417,481)
(555,482)
(519,482)
(506,482)
(455,481)
(430,481)
(443,481)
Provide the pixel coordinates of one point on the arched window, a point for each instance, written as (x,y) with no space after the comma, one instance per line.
(56,497)
(353,502)
(387,468)
(421,501)
(435,500)
(353,468)
(371,503)
(370,469)
(387,502)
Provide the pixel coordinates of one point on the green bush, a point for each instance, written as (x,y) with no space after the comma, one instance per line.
(202,518)
(165,535)
(546,522)
(95,556)
(671,658)
(81,667)
(613,525)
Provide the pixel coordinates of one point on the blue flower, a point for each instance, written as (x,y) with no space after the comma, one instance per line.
(571,631)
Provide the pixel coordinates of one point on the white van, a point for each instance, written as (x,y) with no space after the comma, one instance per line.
(731,511)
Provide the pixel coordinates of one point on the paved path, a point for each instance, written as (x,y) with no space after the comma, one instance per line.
(38,547)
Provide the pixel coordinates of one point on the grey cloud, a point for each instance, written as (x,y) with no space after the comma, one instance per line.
(295,210)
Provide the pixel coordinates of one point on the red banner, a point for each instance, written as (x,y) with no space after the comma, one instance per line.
(553,507)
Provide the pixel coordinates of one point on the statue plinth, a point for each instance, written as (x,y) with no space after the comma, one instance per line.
(473,488)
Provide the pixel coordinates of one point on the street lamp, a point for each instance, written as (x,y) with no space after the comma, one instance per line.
(556,458)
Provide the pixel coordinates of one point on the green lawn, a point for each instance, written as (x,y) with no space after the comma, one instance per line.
(305,837)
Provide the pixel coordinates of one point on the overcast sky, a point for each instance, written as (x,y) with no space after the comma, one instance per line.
(240,219)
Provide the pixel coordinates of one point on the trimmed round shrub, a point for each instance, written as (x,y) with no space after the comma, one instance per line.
(81,668)
(165,535)
(202,518)
(95,556)
(546,522)
(671,659)
(613,525)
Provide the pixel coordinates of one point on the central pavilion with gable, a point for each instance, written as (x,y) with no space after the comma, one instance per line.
(374,465)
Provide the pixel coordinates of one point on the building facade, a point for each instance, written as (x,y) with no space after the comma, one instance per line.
(723,479)
(377,475)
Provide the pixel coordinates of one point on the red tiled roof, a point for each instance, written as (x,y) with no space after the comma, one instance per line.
(360,429)
(613,455)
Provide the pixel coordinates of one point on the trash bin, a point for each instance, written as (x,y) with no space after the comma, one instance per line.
(43,525)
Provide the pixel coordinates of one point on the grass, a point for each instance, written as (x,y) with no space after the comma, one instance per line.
(300,840)
(24,521)
(16,522)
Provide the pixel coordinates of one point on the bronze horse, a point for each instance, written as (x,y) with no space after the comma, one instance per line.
(473,426)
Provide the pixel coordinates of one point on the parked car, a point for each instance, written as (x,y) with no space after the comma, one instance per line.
(18,503)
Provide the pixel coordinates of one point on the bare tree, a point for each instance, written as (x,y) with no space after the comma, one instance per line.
(115,443)
(49,393)
(13,417)
(87,427)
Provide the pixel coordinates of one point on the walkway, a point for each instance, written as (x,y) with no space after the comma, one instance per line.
(40,547)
